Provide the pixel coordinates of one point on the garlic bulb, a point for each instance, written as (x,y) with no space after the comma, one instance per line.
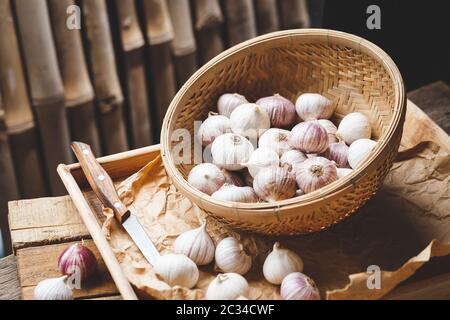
(230,150)
(231,257)
(214,126)
(338,152)
(359,150)
(354,126)
(206,177)
(297,286)
(275,139)
(249,120)
(292,159)
(274,183)
(232,193)
(196,244)
(299,192)
(77,259)
(311,106)
(228,102)
(261,158)
(227,286)
(279,263)
(53,289)
(342,172)
(309,137)
(233,177)
(331,129)
(176,270)
(315,173)
(281,111)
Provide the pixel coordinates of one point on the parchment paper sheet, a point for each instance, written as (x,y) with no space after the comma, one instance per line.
(399,230)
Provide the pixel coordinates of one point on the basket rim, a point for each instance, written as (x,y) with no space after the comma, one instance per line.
(330,191)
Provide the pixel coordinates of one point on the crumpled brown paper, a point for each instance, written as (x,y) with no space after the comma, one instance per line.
(411,212)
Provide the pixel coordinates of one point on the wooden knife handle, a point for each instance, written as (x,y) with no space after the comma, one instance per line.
(100,181)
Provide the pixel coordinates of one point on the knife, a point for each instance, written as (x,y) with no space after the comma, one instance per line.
(105,190)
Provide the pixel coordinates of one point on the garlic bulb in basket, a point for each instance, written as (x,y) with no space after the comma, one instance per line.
(281,262)
(315,173)
(214,126)
(261,158)
(275,139)
(274,183)
(230,150)
(227,286)
(292,159)
(206,177)
(231,257)
(359,150)
(232,193)
(249,120)
(228,102)
(338,152)
(311,106)
(176,270)
(354,126)
(281,111)
(298,286)
(309,137)
(196,244)
(331,129)
(53,289)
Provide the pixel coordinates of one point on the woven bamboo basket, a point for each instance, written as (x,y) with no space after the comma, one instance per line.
(347,69)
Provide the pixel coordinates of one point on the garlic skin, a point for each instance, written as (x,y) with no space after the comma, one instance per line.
(331,130)
(228,102)
(310,106)
(261,158)
(53,289)
(309,137)
(292,159)
(359,150)
(298,286)
(212,127)
(228,286)
(279,263)
(233,177)
(231,257)
(342,172)
(315,173)
(177,270)
(276,139)
(281,111)
(77,259)
(354,126)
(206,177)
(233,193)
(338,152)
(196,244)
(230,150)
(249,120)
(274,183)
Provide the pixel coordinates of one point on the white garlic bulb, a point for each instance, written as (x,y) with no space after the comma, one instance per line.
(309,137)
(230,150)
(53,289)
(233,193)
(176,270)
(206,177)
(310,106)
(228,102)
(354,126)
(249,120)
(359,150)
(231,257)
(342,172)
(281,111)
(214,126)
(292,159)
(315,173)
(196,244)
(261,158)
(274,183)
(279,263)
(276,139)
(228,286)
(330,128)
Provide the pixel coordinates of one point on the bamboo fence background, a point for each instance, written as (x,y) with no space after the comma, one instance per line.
(110,82)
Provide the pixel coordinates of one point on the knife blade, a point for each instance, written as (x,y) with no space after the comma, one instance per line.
(104,188)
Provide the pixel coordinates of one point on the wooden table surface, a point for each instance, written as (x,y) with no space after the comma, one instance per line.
(40,235)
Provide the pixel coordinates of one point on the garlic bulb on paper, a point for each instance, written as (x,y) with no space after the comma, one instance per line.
(228,102)
(275,139)
(196,244)
(230,150)
(292,159)
(311,106)
(279,263)
(274,183)
(77,259)
(53,289)
(227,286)
(359,150)
(233,177)
(206,177)
(309,137)
(231,257)
(249,120)
(297,286)
(281,111)
(315,173)
(232,193)
(354,126)
(331,129)
(261,158)
(342,172)
(176,270)
(214,126)
(338,152)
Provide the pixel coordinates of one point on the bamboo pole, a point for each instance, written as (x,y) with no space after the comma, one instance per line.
(109,97)
(240,21)
(134,82)
(267,16)
(78,91)
(47,91)
(293,14)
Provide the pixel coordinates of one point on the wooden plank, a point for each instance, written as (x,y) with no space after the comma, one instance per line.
(9,281)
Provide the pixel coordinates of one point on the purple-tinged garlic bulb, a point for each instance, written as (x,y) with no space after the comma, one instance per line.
(77,259)
(274,183)
(292,159)
(228,102)
(338,152)
(309,137)
(315,173)
(298,286)
(281,111)
(331,130)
